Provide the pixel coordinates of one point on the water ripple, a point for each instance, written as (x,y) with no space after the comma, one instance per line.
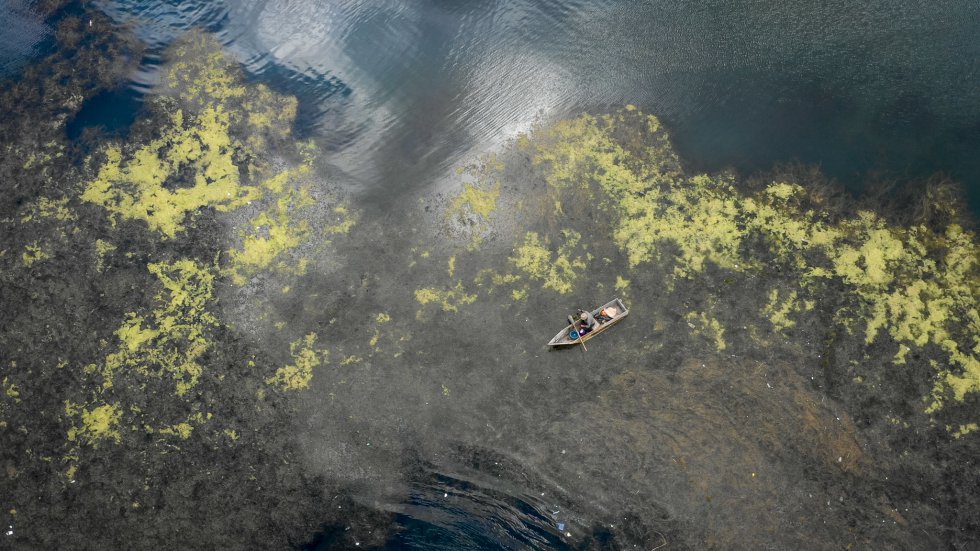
(399,90)
(22,35)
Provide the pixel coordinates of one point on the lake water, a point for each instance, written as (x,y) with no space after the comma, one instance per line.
(399,91)
(24,35)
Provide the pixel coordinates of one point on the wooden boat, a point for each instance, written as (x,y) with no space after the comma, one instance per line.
(563,338)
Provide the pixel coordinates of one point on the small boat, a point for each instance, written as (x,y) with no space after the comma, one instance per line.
(564,337)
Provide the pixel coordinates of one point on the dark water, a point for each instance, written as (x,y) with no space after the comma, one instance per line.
(401,90)
(453,513)
(23,36)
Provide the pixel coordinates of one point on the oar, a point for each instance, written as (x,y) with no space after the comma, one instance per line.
(579,333)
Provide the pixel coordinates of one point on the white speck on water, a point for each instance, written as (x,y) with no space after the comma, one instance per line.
(10,530)
(445,495)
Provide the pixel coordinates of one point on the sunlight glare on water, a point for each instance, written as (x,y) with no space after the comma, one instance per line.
(399,90)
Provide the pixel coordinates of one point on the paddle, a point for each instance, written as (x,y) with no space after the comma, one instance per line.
(580,341)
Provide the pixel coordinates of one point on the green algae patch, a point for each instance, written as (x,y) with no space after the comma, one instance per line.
(138,184)
(181,430)
(170,341)
(220,146)
(702,324)
(639,178)
(475,201)
(45,208)
(10,389)
(915,285)
(471,211)
(555,270)
(448,300)
(587,150)
(98,424)
(102,249)
(963,430)
(306,357)
(780,311)
(202,74)
(268,238)
(698,216)
(208,153)
(33,254)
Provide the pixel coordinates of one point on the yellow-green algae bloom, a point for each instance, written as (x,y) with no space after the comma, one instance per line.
(915,285)
(136,185)
(170,341)
(704,325)
(473,207)
(306,357)
(98,424)
(33,253)
(780,312)
(271,234)
(557,270)
(476,201)
(47,208)
(211,154)
(449,300)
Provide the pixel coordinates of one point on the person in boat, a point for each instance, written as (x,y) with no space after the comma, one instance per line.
(606,315)
(587,322)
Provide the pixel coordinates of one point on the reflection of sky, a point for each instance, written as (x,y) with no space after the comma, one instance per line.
(22,35)
(399,89)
